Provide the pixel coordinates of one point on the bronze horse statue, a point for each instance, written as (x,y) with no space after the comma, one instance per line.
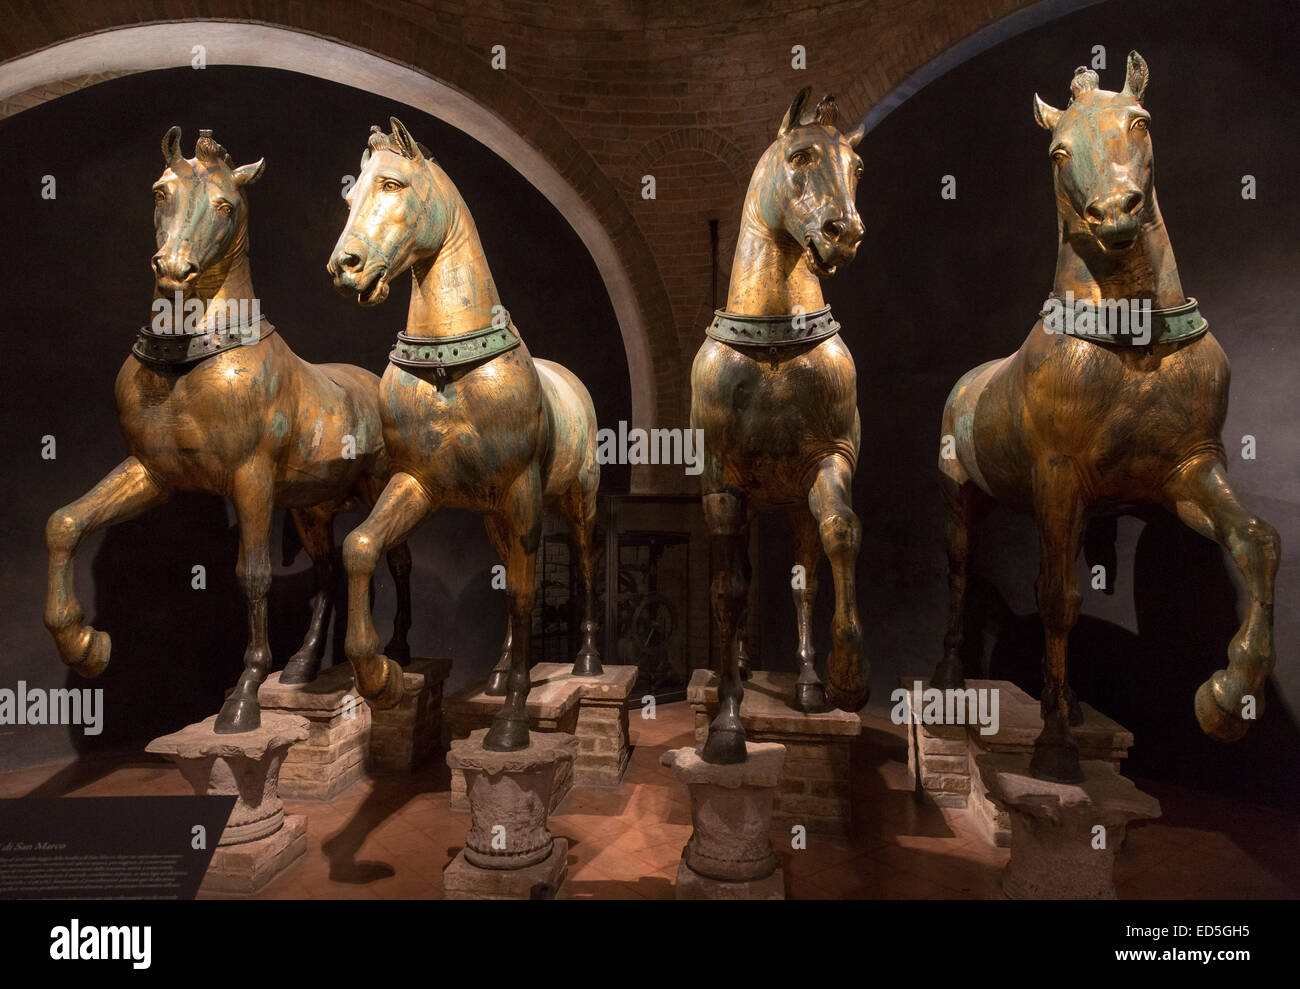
(774,390)
(232,411)
(471,419)
(1102,420)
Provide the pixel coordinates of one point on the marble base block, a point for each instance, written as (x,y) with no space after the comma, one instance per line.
(404,737)
(815,780)
(333,756)
(731,810)
(692,886)
(259,842)
(594,709)
(1064,836)
(462,880)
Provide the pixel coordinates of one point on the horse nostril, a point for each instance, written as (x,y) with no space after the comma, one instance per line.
(349,261)
(1132,202)
(157,266)
(1094,213)
(834,228)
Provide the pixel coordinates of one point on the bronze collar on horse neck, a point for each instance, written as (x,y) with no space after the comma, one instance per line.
(170,349)
(439,353)
(1177,324)
(773,331)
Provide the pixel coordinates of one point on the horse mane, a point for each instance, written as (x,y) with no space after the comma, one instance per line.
(380,141)
(1084,80)
(209,151)
(826,113)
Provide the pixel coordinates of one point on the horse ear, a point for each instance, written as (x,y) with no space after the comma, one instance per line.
(171,146)
(856,135)
(248,174)
(1135,83)
(409,145)
(1046,116)
(791,118)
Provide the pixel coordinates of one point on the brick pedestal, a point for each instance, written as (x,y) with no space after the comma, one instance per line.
(333,756)
(943,758)
(814,788)
(592,708)
(404,737)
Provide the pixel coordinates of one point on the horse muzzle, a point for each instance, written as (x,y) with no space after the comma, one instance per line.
(353,276)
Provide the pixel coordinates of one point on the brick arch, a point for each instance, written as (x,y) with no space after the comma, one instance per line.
(695,139)
(501,114)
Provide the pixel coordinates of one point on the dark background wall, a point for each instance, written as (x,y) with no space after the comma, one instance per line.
(80,285)
(940,286)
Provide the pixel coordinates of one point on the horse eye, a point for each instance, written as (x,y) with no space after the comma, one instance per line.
(1140,124)
(159,195)
(1060,156)
(800,158)
(224,209)
(391,186)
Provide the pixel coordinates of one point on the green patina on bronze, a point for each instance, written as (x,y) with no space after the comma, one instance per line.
(1177,324)
(772,331)
(169,349)
(443,352)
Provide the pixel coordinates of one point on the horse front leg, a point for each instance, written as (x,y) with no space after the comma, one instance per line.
(809,692)
(521,516)
(123,494)
(399,566)
(400,508)
(252,494)
(966,505)
(315,527)
(499,533)
(1201,496)
(726,516)
(1058,511)
(847,671)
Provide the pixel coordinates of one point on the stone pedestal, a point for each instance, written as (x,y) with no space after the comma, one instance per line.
(509,851)
(815,781)
(259,842)
(403,737)
(594,709)
(729,854)
(333,756)
(942,758)
(1054,827)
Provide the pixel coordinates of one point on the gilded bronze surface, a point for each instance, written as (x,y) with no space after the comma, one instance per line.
(1067,428)
(254,423)
(504,437)
(780,423)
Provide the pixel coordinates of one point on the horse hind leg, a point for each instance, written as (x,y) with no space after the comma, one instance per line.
(315,527)
(847,671)
(966,507)
(1202,497)
(809,692)
(123,494)
(398,557)
(579,509)
(499,534)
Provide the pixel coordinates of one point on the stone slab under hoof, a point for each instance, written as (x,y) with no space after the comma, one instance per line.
(248,868)
(462,880)
(1064,836)
(592,708)
(404,737)
(692,886)
(942,758)
(816,779)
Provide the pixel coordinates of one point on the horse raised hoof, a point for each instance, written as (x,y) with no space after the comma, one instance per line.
(240,713)
(301,668)
(725,746)
(810,698)
(1056,762)
(92,649)
(394,687)
(1215,719)
(506,735)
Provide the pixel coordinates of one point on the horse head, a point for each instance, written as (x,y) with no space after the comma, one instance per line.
(200,212)
(805,183)
(399,213)
(1101,150)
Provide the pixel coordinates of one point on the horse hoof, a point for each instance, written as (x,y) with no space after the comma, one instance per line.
(496,683)
(725,746)
(94,658)
(1214,720)
(506,735)
(1056,763)
(239,714)
(588,664)
(301,668)
(394,687)
(848,699)
(810,698)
